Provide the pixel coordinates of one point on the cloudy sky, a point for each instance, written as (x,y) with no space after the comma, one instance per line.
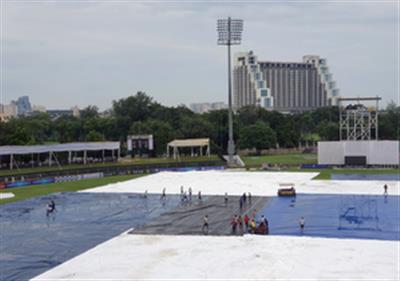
(65,53)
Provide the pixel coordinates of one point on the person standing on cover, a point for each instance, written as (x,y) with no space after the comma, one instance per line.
(302,222)
(181,196)
(204,228)
(246,222)
(185,197)
(234,223)
(253,226)
(265,222)
(240,222)
(163,195)
(51,207)
(385,190)
(253,215)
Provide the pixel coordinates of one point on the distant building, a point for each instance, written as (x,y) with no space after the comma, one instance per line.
(283,86)
(4,118)
(206,107)
(8,109)
(38,108)
(23,105)
(76,112)
(57,113)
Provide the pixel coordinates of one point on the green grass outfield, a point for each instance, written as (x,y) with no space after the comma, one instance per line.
(325,174)
(142,161)
(283,159)
(26,192)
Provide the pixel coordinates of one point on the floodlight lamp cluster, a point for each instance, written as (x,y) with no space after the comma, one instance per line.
(229,31)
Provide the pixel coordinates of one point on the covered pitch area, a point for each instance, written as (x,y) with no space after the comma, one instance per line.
(130,242)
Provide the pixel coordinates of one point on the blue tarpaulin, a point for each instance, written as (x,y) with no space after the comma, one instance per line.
(336,216)
(32,243)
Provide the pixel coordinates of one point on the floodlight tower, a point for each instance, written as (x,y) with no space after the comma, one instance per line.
(230,33)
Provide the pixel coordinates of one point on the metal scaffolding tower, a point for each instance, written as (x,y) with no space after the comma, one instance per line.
(358,122)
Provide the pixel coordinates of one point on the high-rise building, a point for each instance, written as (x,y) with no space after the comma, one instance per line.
(283,86)
(7,111)
(23,105)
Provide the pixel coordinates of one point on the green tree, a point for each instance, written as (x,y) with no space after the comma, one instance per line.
(328,131)
(389,122)
(132,109)
(135,108)
(259,136)
(219,137)
(287,135)
(196,127)
(249,115)
(90,112)
(19,137)
(94,136)
(68,129)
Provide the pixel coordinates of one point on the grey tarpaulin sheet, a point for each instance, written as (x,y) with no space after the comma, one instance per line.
(31,243)
(187,219)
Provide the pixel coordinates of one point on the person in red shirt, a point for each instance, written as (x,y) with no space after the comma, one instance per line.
(246,222)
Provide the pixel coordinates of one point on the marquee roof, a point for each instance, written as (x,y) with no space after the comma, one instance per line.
(189,142)
(74,146)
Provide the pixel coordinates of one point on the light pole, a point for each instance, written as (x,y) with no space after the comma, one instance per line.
(230,33)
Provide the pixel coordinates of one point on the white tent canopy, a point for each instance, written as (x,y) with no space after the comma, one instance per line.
(192,143)
(64,147)
(74,146)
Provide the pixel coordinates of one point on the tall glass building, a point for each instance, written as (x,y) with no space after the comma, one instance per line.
(283,86)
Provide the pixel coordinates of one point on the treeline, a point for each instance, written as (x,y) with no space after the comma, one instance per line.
(140,114)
